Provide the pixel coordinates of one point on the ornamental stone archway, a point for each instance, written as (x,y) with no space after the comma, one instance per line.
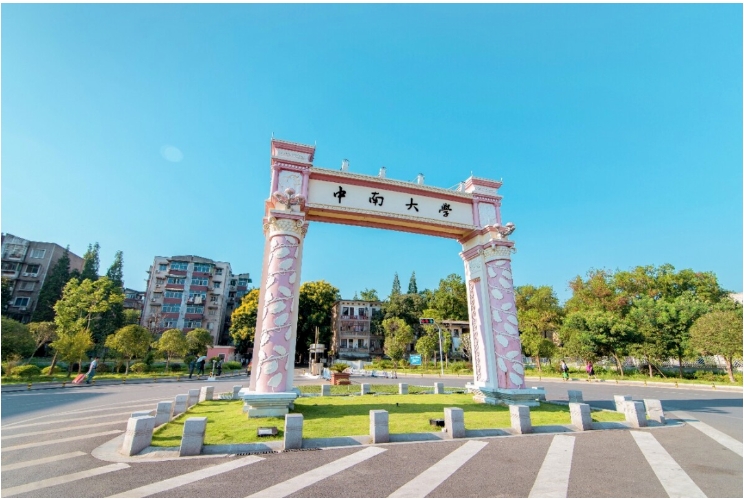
(302,193)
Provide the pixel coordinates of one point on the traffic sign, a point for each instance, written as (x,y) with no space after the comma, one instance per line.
(414,360)
(426,321)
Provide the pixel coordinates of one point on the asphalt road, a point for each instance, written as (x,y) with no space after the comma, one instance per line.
(48,436)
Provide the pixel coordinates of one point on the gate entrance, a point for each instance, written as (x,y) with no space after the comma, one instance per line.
(302,193)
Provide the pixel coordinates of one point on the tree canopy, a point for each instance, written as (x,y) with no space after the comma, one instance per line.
(130,342)
(315,305)
(243,322)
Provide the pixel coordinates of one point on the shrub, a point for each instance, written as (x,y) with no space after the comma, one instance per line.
(139,368)
(149,358)
(175,367)
(188,359)
(26,371)
(339,367)
(232,364)
(103,368)
(461,366)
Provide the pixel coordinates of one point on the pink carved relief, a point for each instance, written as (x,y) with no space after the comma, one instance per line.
(476,330)
(509,368)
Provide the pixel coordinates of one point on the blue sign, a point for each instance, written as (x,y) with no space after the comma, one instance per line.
(414,360)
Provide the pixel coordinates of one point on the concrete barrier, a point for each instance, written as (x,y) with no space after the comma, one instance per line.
(193,397)
(293,431)
(193,437)
(236,390)
(635,413)
(575,396)
(379,427)
(181,404)
(654,410)
(206,393)
(138,435)
(620,402)
(365,389)
(454,422)
(164,412)
(541,393)
(325,390)
(438,388)
(403,388)
(139,414)
(581,416)
(520,418)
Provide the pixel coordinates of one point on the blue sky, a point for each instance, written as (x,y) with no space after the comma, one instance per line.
(617,130)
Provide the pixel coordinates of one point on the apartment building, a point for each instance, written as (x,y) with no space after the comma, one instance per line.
(352,337)
(133,299)
(27,264)
(188,292)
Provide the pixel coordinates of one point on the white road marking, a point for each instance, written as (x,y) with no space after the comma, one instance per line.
(552,479)
(292,485)
(185,479)
(439,472)
(43,460)
(51,482)
(60,440)
(718,436)
(69,420)
(69,428)
(675,481)
(105,407)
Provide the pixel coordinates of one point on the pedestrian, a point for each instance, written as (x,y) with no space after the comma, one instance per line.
(219,367)
(92,370)
(590,369)
(564,370)
(200,365)
(192,366)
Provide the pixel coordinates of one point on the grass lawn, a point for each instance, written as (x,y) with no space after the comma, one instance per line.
(348,416)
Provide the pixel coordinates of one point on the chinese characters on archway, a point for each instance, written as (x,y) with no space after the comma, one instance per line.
(376,199)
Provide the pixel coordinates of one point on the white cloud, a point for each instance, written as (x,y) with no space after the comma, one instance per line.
(171,153)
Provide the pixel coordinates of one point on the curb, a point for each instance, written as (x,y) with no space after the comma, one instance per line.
(652,384)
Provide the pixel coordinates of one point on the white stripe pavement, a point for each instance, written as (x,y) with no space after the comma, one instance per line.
(675,481)
(105,407)
(292,485)
(552,479)
(194,476)
(439,472)
(718,436)
(69,428)
(73,420)
(52,482)
(43,460)
(60,440)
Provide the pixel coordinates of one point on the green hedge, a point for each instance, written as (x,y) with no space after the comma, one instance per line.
(139,367)
(26,371)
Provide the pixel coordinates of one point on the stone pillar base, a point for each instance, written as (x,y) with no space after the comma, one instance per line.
(266,405)
(505,396)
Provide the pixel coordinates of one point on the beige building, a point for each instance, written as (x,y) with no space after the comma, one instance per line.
(352,338)
(27,265)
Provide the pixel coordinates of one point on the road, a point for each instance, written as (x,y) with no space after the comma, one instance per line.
(48,437)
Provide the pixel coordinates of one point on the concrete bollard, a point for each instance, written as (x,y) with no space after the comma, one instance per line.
(403,388)
(635,413)
(454,422)
(540,393)
(378,427)
(181,404)
(575,396)
(439,388)
(139,414)
(520,418)
(236,390)
(293,431)
(620,402)
(163,413)
(193,397)
(365,389)
(325,390)
(581,416)
(193,437)
(654,410)
(138,435)
(206,393)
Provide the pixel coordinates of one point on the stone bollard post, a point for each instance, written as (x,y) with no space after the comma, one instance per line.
(540,393)
(236,390)
(181,405)
(439,388)
(581,416)
(403,388)
(325,390)
(138,436)
(193,437)
(654,410)
(575,396)
(635,413)
(620,402)
(293,431)
(378,427)
(520,418)
(365,389)
(454,422)
(206,393)
(163,413)
(193,397)
(139,414)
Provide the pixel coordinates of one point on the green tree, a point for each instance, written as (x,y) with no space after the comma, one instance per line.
(412,287)
(51,290)
(91,261)
(15,339)
(451,299)
(539,316)
(719,332)
(316,301)
(369,295)
(132,316)
(172,344)
(130,342)
(243,322)
(408,307)
(199,340)
(427,345)
(72,347)
(396,287)
(42,333)
(113,319)
(398,335)
(7,293)
(115,273)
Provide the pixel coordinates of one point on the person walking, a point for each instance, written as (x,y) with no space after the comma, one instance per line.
(218,367)
(590,370)
(192,366)
(200,365)
(92,370)
(564,370)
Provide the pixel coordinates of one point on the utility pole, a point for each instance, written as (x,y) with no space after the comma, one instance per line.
(315,349)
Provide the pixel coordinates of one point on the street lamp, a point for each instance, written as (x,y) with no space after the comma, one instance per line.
(439,330)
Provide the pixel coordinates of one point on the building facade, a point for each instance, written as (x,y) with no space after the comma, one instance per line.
(352,336)
(133,299)
(27,265)
(189,292)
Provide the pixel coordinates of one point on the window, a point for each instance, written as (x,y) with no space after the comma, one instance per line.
(197,296)
(217,285)
(172,309)
(210,326)
(38,253)
(362,312)
(21,302)
(27,286)
(343,343)
(231,294)
(169,323)
(232,282)
(176,280)
(14,251)
(194,310)
(202,267)
(174,294)
(345,311)
(212,311)
(131,296)
(162,267)
(11,266)
(192,324)
(179,265)
(159,281)
(199,281)
(33,269)
(243,282)
(218,271)
(213,299)
(241,294)
(158,296)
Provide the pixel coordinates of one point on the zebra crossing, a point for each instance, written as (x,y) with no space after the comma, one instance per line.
(33,463)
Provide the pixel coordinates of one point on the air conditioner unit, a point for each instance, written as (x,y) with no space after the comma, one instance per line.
(153,299)
(25,274)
